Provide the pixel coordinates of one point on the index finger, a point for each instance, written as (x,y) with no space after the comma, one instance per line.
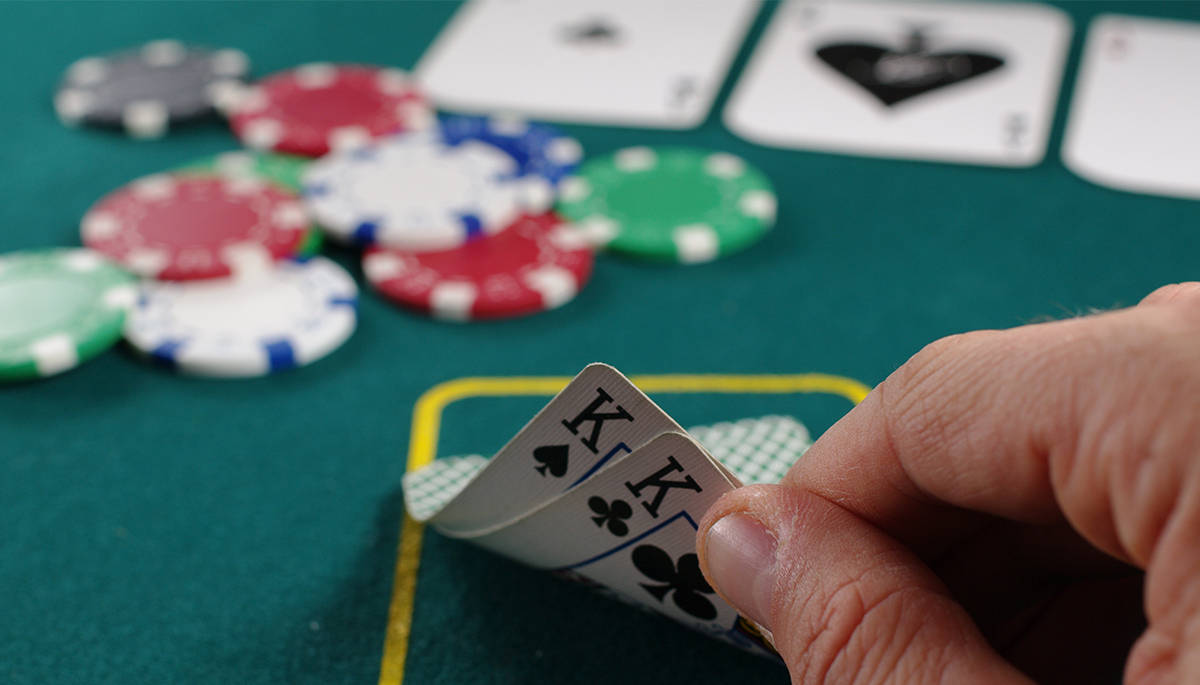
(1029,424)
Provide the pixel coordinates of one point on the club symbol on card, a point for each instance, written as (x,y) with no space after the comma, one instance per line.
(684,578)
(613,515)
(552,458)
(592,31)
(893,75)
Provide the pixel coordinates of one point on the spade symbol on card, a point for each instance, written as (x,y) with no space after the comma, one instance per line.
(893,75)
(614,515)
(684,579)
(592,31)
(552,458)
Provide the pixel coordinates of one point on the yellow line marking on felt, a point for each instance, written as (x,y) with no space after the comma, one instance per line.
(422,450)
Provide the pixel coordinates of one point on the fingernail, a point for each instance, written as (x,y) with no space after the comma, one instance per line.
(741,560)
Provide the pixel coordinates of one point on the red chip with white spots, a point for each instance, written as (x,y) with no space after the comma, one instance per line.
(534,264)
(186,227)
(315,108)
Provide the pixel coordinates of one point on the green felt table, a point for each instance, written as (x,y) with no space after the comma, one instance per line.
(161,528)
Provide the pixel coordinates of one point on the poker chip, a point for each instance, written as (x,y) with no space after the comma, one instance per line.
(535,264)
(537,148)
(282,170)
(183,227)
(289,316)
(414,191)
(146,90)
(670,204)
(315,108)
(58,308)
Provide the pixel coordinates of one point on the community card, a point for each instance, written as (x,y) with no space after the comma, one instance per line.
(598,417)
(1133,122)
(652,63)
(971,83)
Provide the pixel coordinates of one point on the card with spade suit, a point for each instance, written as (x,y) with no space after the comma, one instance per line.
(967,83)
(596,420)
(603,487)
(648,63)
(1137,100)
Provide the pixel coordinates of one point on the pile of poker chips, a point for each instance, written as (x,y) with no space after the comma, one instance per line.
(459,217)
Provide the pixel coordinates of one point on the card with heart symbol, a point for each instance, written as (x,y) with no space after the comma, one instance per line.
(955,82)
(1137,100)
(652,63)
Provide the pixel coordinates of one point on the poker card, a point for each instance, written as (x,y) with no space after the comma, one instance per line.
(651,63)
(599,416)
(1137,100)
(603,487)
(751,450)
(968,83)
(631,529)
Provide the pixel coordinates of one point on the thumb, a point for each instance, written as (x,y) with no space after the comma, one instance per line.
(844,602)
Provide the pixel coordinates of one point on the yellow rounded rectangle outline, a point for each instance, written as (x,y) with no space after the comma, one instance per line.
(422,449)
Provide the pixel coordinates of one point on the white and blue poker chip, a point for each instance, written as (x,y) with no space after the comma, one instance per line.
(416,191)
(538,149)
(285,317)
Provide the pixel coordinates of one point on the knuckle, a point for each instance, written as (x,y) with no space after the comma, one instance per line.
(855,637)
(1184,295)
(915,396)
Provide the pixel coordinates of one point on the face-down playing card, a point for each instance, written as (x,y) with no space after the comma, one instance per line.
(631,529)
(961,82)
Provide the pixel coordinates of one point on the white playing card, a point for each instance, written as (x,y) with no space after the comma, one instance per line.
(754,450)
(638,492)
(653,63)
(631,528)
(1133,123)
(597,418)
(958,82)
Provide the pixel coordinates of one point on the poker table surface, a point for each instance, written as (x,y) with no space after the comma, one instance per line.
(158,528)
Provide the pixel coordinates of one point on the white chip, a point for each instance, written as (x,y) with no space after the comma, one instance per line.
(290,315)
(415,192)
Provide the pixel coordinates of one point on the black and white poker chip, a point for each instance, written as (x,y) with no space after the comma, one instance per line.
(147,89)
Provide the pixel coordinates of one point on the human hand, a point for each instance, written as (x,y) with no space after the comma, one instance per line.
(986,513)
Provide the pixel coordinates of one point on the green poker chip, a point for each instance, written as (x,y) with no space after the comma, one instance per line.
(670,204)
(59,308)
(285,171)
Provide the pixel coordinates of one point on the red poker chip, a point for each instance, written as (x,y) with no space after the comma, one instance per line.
(534,264)
(185,227)
(314,108)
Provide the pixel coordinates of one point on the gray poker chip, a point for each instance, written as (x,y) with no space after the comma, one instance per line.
(145,90)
